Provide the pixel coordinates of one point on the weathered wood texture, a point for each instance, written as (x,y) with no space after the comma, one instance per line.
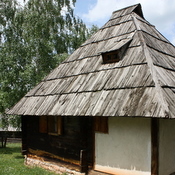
(141,84)
(76,136)
(155,147)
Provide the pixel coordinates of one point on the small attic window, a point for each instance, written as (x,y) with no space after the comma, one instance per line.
(116,51)
(111,57)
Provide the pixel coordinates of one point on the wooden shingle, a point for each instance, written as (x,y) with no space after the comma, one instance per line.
(141,84)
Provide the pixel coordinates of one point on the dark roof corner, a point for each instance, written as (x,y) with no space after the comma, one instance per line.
(138,10)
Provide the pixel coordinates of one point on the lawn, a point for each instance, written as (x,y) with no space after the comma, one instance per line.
(12,162)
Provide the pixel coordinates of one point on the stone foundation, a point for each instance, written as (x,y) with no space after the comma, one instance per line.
(51,166)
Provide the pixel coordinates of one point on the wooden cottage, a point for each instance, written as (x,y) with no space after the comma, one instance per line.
(110,106)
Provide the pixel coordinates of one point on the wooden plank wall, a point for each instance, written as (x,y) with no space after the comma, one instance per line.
(77,136)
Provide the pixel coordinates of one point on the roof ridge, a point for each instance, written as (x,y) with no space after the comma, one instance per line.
(136,8)
(125,8)
(151,66)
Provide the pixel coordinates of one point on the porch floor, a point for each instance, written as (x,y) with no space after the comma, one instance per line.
(57,166)
(93,172)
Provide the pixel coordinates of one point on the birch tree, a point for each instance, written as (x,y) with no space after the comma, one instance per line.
(34,39)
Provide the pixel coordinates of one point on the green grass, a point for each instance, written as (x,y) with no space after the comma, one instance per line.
(12,162)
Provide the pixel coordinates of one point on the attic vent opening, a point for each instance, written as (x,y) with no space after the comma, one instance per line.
(111,57)
(138,10)
(116,51)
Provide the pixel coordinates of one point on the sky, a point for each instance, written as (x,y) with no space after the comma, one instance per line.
(160,13)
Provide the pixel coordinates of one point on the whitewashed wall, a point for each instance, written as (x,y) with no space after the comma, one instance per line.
(126,148)
(166,146)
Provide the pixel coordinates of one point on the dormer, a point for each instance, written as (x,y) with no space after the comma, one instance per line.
(115,52)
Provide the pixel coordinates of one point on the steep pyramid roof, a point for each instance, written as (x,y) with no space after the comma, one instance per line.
(140,83)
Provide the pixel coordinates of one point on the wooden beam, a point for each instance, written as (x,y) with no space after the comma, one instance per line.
(83,161)
(24,135)
(155,146)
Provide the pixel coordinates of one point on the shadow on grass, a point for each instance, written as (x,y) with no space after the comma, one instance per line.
(19,157)
(10,150)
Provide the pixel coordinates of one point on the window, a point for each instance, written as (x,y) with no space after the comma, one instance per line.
(54,125)
(43,124)
(101,124)
(115,51)
(51,125)
(111,57)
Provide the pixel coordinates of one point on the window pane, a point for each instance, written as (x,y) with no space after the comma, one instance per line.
(43,124)
(101,124)
(55,125)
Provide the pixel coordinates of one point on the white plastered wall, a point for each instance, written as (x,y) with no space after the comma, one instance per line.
(126,149)
(166,146)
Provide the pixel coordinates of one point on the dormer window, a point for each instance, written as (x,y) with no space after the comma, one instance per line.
(111,57)
(116,51)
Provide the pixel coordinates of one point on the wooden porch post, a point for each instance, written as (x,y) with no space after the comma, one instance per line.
(83,161)
(155,146)
(24,134)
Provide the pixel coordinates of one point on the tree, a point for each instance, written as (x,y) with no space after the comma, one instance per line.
(34,39)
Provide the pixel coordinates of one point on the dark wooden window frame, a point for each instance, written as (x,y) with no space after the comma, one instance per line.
(111,57)
(101,124)
(51,125)
(43,128)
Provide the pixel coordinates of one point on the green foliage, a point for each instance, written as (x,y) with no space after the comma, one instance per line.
(12,121)
(12,162)
(34,39)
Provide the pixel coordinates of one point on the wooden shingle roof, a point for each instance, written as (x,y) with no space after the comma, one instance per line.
(141,84)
